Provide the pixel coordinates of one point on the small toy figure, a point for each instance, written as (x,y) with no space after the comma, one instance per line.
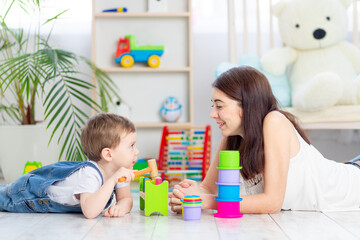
(170,110)
(128,52)
(29,166)
(123,9)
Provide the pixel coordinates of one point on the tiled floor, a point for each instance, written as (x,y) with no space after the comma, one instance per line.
(285,225)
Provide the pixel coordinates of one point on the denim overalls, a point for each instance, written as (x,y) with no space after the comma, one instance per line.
(28,193)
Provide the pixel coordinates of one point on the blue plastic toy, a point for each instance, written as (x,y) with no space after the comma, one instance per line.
(170,110)
(116,10)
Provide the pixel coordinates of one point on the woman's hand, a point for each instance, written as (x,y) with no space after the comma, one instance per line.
(186,187)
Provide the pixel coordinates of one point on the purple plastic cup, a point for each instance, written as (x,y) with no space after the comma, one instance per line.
(192,212)
(229,176)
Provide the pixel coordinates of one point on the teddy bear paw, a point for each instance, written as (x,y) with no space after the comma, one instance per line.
(320,92)
(358,90)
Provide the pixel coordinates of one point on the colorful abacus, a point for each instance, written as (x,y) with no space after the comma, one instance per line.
(228,200)
(185,152)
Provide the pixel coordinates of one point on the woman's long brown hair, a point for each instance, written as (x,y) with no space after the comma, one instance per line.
(252,90)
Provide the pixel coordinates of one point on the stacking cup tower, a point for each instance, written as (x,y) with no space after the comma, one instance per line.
(191,207)
(228,200)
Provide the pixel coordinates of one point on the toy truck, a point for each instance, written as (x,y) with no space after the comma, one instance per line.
(128,52)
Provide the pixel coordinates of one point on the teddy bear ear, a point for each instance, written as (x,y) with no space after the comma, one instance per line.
(278,7)
(346,3)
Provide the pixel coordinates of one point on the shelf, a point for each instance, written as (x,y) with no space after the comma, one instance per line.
(337,117)
(337,125)
(162,124)
(144,88)
(145,69)
(145,14)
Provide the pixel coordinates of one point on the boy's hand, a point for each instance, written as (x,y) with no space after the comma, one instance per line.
(123,172)
(115,211)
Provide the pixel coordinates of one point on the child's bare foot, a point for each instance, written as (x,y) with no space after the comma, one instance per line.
(357,162)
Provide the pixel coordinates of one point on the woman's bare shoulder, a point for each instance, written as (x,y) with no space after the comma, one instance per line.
(276,118)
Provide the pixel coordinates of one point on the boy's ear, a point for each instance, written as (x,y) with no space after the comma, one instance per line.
(106,154)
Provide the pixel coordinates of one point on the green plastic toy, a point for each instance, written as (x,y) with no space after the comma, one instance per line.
(153,196)
(29,166)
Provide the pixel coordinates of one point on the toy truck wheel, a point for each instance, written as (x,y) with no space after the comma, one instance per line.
(154,61)
(127,61)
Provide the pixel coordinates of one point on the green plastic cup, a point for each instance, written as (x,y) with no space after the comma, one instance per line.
(229,160)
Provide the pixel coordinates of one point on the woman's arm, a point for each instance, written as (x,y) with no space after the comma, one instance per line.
(280,144)
(207,190)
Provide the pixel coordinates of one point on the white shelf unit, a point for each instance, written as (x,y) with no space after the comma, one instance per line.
(144,88)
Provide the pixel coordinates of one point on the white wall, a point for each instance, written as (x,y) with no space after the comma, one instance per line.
(210,49)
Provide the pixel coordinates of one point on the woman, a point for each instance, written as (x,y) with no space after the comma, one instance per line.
(281,170)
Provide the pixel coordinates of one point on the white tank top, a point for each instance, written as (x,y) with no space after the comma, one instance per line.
(315,183)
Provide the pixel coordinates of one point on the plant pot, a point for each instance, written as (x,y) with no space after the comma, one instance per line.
(22,143)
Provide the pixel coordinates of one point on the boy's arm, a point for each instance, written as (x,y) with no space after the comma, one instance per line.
(124,203)
(92,204)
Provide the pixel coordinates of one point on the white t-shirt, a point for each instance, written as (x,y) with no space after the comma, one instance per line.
(84,180)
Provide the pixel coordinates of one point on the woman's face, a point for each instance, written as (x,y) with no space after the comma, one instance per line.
(227,113)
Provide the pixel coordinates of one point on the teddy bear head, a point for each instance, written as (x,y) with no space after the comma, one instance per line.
(311,24)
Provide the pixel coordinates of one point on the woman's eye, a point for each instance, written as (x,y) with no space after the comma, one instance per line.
(219,107)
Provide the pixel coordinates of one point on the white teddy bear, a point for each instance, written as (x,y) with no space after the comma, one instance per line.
(325,67)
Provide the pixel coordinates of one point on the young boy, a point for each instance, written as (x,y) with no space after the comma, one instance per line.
(108,140)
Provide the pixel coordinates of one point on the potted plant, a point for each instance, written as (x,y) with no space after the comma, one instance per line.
(33,74)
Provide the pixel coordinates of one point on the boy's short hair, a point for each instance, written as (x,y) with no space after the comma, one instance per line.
(104,130)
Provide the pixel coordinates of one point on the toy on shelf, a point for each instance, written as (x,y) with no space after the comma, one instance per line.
(228,200)
(170,110)
(158,5)
(154,196)
(185,152)
(191,207)
(123,9)
(29,166)
(128,52)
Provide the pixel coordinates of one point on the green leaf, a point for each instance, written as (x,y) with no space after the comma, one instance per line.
(66,141)
(58,110)
(55,17)
(59,122)
(55,104)
(64,128)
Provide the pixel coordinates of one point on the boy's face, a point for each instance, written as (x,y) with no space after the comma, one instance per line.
(125,154)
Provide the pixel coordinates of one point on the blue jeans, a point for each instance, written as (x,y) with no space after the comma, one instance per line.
(28,194)
(352,161)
